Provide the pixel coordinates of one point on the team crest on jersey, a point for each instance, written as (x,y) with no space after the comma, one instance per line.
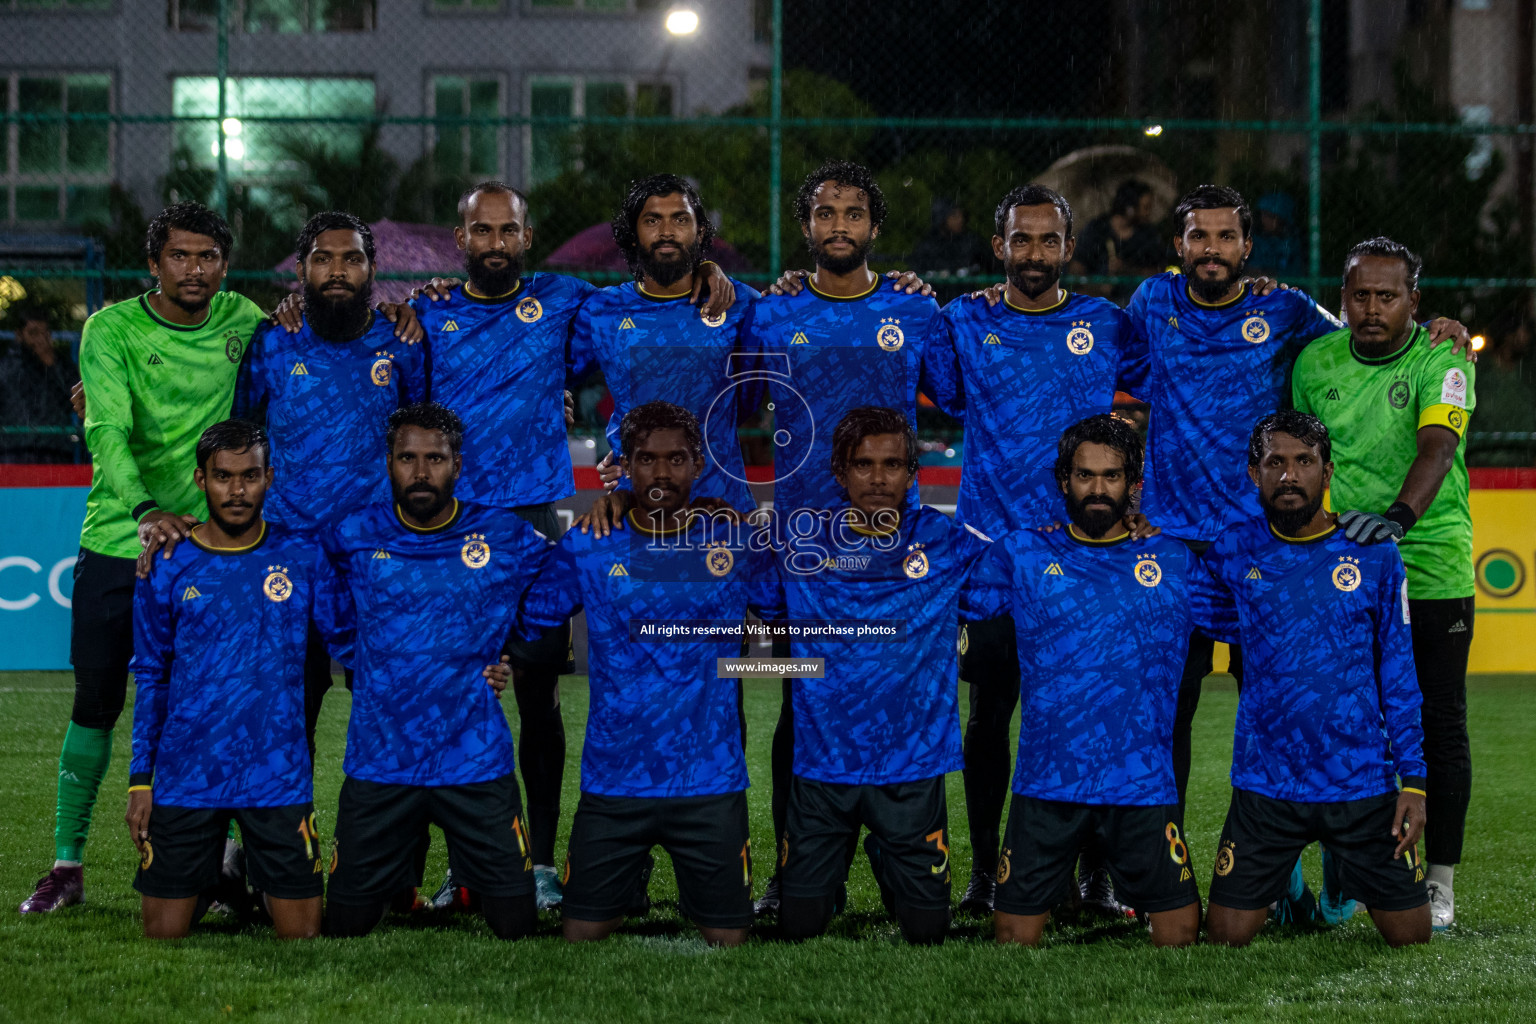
(915,565)
(713,321)
(1226,857)
(381,371)
(1148,572)
(1256,329)
(1346,575)
(475,553)
(233,347)
(299,370)
(1080,338)
(890,336)
(529,310)
(1398,394)
(277,586)
(719,559)
(190,593)
(991,339)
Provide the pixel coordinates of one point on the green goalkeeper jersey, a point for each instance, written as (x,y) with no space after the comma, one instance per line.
(152,387)
(1374,409)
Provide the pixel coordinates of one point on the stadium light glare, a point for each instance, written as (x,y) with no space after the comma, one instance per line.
(1152,131)
(682,21)
(1478,341)
(232,126)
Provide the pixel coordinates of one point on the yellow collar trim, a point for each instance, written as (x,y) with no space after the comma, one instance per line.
(1072,531)
(652,295)
(811,284)
(1065,296)
(493,298)
(1303,540)
(427,529)
(231,551)
(646,528)
(865,531)
(1234,300)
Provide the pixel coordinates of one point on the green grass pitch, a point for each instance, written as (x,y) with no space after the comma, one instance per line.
(89,963)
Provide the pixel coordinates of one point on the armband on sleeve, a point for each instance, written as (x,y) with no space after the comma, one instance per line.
(1444,415)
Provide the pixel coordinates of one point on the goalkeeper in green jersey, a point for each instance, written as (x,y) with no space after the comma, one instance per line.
(1398,410)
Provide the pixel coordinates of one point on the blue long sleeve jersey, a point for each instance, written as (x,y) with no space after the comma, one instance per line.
(500,364)
(1212,372)
(1329,708)
(218,664)
(325,405)
(1103,628)
(650,349)
(823,356)
(659,724)
(432,608)
(1023,377)
(884,712)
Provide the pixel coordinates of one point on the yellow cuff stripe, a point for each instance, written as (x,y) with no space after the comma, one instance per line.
(1448,416)
(140,789)
(1410,789)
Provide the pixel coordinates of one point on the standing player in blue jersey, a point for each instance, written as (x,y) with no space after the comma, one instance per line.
(499,351)
(876,733)
(1026,369)
(323,393)
(663,763)
(652,344)
(432,584)
(1328,716)
(848,342)
(218,729)
(1101,621)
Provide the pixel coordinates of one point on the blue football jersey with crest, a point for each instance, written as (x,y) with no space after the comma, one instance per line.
(1024,377)
(659,724)
(500,364)
(823,356)
(1329,708)
(664,349)
(1212,372)
(325,405)
(1103,628)
(432,608)
(218,664)
(884,712)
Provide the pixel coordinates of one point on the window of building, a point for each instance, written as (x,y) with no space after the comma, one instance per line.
(467,150)
(551,149)
(60,171)
(266,152)
(275,16)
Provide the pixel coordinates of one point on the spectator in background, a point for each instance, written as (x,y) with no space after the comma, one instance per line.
(35,380)
(1506,397)
(1122,241)
(950,247)
(1276,243)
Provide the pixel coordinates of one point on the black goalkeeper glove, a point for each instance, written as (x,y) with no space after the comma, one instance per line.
(1366,528)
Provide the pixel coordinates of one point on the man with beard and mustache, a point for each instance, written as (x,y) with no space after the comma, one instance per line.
(1028,368)
(433,585)
(844,342)
(651,344)
(499,359)
(1328,715)
(1400,409)
(159,370)
(323,392)
(219,645)
(1100,620)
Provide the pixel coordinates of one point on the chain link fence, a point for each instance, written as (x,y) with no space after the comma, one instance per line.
(271,110)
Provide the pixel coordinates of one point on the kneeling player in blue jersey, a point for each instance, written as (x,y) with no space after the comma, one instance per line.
(218,721)
(1328,716)
(663,763)
(877,732)
(1101,621)
(433,585)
